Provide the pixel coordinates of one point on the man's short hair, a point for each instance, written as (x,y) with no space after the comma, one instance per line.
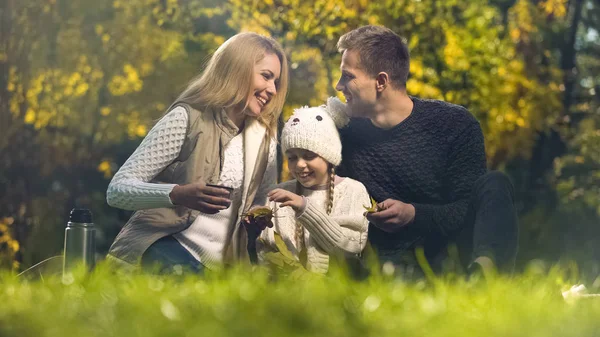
(379,50)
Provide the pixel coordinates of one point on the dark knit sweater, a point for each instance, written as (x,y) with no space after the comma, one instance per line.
(430,160)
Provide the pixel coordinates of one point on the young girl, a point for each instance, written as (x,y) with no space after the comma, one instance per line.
(318,213)
(204,163)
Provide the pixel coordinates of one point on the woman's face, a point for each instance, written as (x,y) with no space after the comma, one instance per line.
(264,84)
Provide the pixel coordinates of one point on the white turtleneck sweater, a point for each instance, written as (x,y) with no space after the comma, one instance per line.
(342,232)
(130,187)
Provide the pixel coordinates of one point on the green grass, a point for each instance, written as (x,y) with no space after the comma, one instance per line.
(243,303)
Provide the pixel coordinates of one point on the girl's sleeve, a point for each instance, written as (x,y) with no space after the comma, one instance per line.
(344,233)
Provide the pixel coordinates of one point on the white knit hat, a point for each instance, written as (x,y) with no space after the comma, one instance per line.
(313,129)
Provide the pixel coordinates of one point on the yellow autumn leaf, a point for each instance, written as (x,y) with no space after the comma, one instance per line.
(30,116)
(141,130)
(81,89)
(105,168)
(14,244)
(373,207)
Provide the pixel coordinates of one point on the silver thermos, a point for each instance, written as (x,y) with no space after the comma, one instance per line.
(80,240)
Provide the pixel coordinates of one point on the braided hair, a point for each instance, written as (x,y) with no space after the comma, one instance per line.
(299,231)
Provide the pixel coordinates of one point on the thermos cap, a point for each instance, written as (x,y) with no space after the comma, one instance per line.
(80,215)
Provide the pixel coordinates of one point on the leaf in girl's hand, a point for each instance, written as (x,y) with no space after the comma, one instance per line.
(263,211)
(261,217)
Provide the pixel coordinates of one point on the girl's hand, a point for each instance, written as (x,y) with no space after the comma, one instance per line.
(260,222)
(286,198)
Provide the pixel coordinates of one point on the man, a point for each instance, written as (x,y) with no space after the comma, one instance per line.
(423,161)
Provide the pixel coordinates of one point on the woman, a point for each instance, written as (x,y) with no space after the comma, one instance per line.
(220,131)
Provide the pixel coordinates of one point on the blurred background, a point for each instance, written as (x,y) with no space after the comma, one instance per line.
(82,82)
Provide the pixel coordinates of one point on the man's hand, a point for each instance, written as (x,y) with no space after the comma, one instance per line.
(286,198)
(394,215)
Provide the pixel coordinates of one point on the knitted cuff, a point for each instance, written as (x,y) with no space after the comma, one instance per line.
(301,210)
(423,216)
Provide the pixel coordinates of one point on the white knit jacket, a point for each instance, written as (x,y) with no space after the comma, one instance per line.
(342,232)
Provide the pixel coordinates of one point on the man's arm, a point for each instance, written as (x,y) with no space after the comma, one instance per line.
(466,163)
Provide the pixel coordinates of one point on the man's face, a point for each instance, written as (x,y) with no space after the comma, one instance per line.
(357,86)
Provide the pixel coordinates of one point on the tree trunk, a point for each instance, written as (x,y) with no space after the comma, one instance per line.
(550,144)
(568,59)
(5,32)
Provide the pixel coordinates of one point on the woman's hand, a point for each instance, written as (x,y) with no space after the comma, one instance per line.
(286,198)
(198,196)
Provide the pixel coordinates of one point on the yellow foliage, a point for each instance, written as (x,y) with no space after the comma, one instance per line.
(501,71)
(416,68)
(146,68)
(125,83)
(454,55)
(171,49)
(291,36)
(422,89)
(30,116)
(105,168)
(522,22)
(14,245)
(99,29)
(81,89)
(8,245)
(141,130)
(74,78)
(557,8)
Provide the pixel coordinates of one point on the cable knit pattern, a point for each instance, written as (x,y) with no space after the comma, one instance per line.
(430,160)
(344,231)
(205,238)
(130,188)
(269,178)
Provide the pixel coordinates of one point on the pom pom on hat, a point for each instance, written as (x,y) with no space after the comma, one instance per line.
(337,111)
(314,130)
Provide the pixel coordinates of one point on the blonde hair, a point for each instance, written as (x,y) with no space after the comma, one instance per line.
(299,231)
(227,79)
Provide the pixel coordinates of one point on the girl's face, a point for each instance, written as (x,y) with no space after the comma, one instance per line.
(307,167)
(264,84)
